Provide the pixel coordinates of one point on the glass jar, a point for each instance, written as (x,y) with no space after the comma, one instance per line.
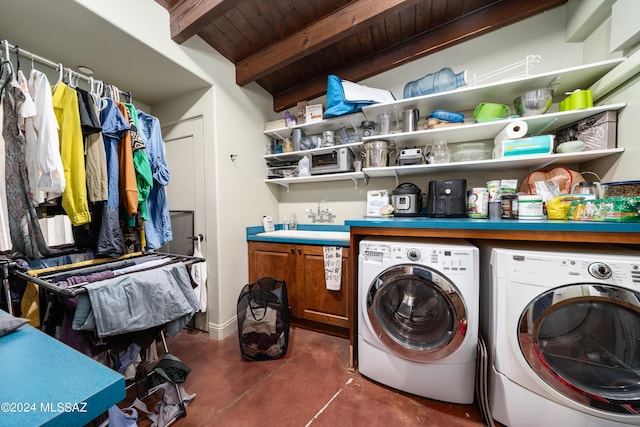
(509,204)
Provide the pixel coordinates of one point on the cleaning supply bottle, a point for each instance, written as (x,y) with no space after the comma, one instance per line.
(303,167)
(440,81)
(293,222)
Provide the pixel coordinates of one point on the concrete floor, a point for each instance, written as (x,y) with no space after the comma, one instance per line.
(309,386)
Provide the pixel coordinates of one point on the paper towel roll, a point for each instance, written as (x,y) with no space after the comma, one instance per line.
(513,130)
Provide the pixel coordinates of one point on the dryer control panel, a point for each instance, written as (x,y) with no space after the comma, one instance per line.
(563,268)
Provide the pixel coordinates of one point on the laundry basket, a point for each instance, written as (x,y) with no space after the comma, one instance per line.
(263,319)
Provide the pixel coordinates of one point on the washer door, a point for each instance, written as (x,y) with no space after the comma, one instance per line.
(584,341)
(417,312)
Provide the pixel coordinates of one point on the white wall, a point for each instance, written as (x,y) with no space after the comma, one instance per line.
(236,195)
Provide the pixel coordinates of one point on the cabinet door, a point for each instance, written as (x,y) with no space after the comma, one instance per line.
(274,260)
(315,302)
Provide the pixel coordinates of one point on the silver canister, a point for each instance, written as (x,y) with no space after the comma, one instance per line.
(328,138)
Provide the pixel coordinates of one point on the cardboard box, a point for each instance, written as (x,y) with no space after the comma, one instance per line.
(540,144)
(275,125)
(313,113)
(598,132)
(301,111)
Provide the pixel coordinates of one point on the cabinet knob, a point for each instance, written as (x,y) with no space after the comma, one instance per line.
(292,251)
(299,250)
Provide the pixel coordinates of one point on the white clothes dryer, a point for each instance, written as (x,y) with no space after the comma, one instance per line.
(418,316)
(562,329)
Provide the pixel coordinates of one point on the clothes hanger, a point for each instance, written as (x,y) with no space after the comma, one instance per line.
(6,50)
(74,78)
(98,95)
(69,77)
(17,58)
(61,73)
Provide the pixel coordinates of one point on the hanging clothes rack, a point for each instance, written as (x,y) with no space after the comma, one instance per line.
(19,52)
(45,279)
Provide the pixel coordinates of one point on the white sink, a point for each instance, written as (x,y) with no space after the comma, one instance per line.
(308,234)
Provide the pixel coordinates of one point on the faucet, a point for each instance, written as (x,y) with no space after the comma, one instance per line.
(321,215)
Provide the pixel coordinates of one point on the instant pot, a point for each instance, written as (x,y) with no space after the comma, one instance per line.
(406,199)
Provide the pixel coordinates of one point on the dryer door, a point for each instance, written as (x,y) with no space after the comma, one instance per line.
(584,341)
(417,312)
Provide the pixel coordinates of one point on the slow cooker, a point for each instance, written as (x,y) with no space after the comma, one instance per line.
(406,199)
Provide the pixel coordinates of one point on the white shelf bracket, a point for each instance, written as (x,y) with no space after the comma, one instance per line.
(543,128)
(285,185)
(355,181)
(542,165)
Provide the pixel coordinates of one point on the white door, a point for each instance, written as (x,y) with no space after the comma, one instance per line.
(184,146)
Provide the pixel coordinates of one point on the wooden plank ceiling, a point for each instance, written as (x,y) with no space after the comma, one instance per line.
(290,46)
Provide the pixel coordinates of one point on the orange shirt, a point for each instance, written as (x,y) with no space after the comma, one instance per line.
(127,183)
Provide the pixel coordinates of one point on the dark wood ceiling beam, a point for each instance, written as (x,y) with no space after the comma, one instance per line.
(479,22)
(187,17)
(340,24)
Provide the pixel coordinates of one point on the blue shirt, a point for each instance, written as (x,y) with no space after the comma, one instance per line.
(157,228)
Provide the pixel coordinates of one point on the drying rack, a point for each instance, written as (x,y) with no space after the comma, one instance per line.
(96,265)
(39,277)
(140,384)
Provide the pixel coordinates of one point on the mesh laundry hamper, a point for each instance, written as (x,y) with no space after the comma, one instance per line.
(263,319)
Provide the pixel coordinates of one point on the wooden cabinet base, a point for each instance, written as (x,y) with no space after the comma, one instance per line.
(302,267)
(320,327)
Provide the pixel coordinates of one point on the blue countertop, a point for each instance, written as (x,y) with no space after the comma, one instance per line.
(447,223)
(45,382)
(500,224)
(252,235)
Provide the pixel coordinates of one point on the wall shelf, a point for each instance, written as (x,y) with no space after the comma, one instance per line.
(536,161)
(466,98)
(482,131)
(297,155)
(353,176)
(349,121)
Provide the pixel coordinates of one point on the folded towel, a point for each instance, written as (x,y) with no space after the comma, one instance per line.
(333,267)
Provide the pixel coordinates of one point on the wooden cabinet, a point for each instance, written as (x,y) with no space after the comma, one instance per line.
(302,267)
(315,302)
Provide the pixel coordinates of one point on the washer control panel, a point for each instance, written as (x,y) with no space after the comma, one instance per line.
(437,256)
(413,254)
(600,270)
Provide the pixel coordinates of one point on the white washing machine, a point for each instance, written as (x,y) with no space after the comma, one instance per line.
(562,328)
(418,316)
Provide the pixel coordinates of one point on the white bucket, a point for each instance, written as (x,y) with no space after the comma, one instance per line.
(530,207)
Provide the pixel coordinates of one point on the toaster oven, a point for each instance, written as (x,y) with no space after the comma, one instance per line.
(334,161)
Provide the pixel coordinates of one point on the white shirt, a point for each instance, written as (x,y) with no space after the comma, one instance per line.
(51,178)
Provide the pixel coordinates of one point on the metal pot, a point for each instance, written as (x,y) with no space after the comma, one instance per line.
(376,153)
(406,199)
